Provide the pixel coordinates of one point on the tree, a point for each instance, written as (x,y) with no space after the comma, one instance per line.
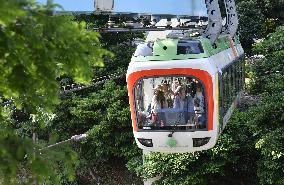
(258,18)
(104,115)
(267,73)
(272,9)
(36,48)
(268,117)
(102,111)
(251,20)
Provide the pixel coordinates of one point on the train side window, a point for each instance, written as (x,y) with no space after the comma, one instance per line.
(226,94)
(186,47)
(239,76)
(232,81)
(235,78)
(232,84)
(237,84)
(243,73)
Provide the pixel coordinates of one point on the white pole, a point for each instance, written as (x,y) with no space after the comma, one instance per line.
(152,180)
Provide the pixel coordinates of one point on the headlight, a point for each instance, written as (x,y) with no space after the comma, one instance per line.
(197,142)
(146,142)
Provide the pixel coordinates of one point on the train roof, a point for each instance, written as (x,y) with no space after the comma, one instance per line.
(176,48)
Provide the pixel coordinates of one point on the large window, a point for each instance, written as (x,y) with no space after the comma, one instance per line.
(232,84)
(189,47)
(170,103)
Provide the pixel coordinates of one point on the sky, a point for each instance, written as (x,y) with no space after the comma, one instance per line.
(178,7)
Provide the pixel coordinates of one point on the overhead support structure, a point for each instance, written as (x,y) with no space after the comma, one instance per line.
(212,30)
(232,17)
(120,30)
(214,27)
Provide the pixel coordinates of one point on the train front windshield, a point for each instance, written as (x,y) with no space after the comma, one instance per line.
(170,103)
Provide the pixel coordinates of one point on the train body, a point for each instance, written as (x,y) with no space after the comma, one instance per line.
(182,92)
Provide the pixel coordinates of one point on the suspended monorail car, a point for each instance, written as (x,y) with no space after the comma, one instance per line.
(182,92)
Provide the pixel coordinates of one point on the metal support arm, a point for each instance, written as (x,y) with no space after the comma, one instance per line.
(232,17)
(214,28)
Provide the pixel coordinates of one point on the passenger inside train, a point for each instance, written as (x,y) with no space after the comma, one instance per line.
(166,103)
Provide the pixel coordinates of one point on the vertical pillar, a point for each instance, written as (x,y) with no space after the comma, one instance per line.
(152,180)
(35,140)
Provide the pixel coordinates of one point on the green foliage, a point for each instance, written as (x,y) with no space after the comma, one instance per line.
(274,43)
(272,8)
(258,18)
(38,48)
(10,10)
(268,118)
(271,165)
(102,111)
(268,72)
(269,26)
(251,19)
(105,115)
(13,150)
(267,125)
(22,162)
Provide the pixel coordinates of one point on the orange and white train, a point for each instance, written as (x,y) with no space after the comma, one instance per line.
(182,92)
